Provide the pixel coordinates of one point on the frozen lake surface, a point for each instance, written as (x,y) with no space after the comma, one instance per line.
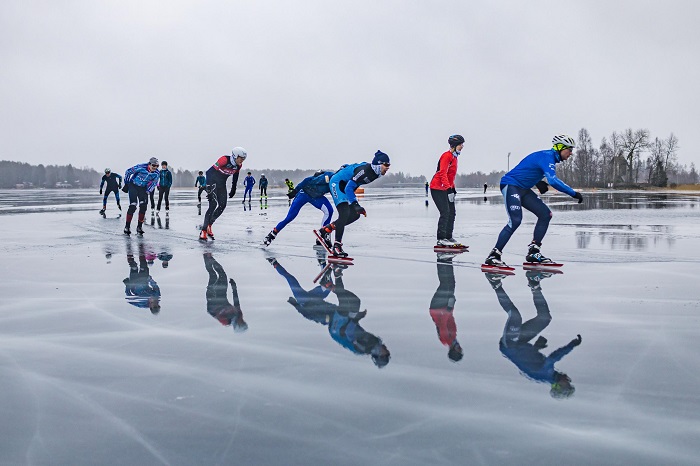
(126,350)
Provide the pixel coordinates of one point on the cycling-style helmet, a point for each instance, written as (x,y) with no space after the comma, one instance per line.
(564,140)
(108,170)
(239,152)
(455,140)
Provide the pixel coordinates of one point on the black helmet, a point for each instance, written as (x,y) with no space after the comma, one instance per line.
(455,140)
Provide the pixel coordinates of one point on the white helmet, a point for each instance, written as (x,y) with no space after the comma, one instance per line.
(565,140)
(239,152)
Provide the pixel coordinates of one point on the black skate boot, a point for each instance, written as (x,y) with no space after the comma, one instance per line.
(326,235)
(494,259)
(337,250)
(270,237)
(534,256)
(127,230)
(139,229)
(102,212)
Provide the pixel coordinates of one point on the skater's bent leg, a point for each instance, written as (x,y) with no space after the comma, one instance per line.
(143,204)
(343,213)
(535,205)
(294,209)
(213,203)
(511,198)
(322,204)
(223,200)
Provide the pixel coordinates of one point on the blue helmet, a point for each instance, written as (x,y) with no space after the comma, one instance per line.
(380,158)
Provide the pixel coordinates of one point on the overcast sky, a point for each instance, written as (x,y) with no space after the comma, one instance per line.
(310,84)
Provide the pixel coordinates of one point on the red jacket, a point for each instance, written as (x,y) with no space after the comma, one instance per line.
(444,177)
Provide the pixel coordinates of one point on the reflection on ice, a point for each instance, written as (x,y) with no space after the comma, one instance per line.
(516,342)
(442,307)
(218,305)
(342,319)
(141,289)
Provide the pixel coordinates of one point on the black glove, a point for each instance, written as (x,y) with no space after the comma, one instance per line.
(119,186)
(358,208)
(579,197)
(292,194)
(126,187)
(232,193)
(100,190)
(542,186)
(576,341)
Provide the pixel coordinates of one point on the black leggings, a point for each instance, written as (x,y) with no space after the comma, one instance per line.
(346,215)
(137,197)
(446,223)
(164,192)
(218,198)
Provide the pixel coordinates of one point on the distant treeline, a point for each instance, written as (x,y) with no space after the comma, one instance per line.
(17,174)
(626,159)
(24,175)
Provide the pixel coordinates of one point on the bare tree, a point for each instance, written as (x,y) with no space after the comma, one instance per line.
(670,149)
(633,143)
(655,163)
(583,159)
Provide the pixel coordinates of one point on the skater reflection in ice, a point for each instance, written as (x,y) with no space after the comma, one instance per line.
(442,306)
(165,257)
(343,319)
(516,345)
(141,290)
(218,305)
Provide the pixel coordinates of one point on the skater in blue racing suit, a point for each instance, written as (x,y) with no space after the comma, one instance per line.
(248,183)
(516,186)
(343,319)
(343,185)
(311,190)
(516,345)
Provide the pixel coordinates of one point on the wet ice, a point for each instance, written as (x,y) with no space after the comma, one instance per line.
(84,369)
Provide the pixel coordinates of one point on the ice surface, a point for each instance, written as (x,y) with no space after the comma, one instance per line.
(89,375)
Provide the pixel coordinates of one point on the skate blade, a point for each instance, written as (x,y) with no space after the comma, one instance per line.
(454,249)
(498,269)
(340,260)
(537,265)
(318,277)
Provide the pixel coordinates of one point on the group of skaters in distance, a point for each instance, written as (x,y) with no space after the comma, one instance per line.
(536,170)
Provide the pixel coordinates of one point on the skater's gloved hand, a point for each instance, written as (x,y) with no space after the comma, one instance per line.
(542,186)
(579,197)
(292,194)
(451,197)
(358,208)
(576,341)
(125,188)
(100,190)
(232,193)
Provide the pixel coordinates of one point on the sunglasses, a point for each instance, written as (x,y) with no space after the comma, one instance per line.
(154,165)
